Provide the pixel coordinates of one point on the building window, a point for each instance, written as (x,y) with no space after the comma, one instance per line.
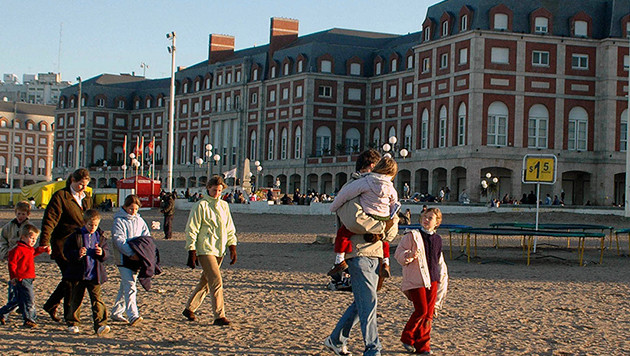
(185,90)
(540,58)
(121,104)
(272,96)
(353,137)
(463,56)
(442,127)
(120,122)
(298,142)
(286,69)
(160,102)
(426,65)
(325,91)
(197,85)
(461,125)
(184,108)
(579,61)
(41,167)
(407,138)
(270,145)
(254,98)
(394,65)
(322,141)
(228,78)
(464,23)
(379,68)
(158,120)
(208,83)
(237,102)
(220,79)
(196,107)
(500,22)
(148,101)
(300,66)
(393,91)
(100,120)
(252,145)
(29,140)
(285,93)
(626,62)
(182,151)
(578,129)
(376,137)
(326,66)
(255,74)
(424,130)
(409,88)
(100,102)
(541,25)
(537,132)
(273,72)
(623,133)
(298,91)
(283,144)
(238,76)
(497,124)
(354,94)
(580,28)
(427,33)
(355,69)
(377,93)
(444,61)
(500,55)
(228,103)
(444,28)
(42,141)
(410,61)
(206,105)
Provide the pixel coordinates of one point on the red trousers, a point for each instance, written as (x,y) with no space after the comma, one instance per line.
(343,244)
(417,332)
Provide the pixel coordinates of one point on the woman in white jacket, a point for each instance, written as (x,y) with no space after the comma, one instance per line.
(128,224)
(425,279)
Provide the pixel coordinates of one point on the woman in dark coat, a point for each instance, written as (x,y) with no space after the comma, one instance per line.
(63,215)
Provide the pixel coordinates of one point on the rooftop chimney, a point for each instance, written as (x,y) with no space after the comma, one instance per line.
(283,31)
(220,47)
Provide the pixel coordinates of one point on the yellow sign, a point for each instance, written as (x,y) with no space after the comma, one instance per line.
(539,169)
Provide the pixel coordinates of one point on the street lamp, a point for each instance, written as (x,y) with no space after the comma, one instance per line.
(404,153)
(199,161)
(77,129)
(124,168)
(105,172)
(171,113)
(216,159)
(135,163)
(208,159)
(258,170)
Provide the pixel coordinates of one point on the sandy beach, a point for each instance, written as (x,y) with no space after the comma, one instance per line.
(277,299)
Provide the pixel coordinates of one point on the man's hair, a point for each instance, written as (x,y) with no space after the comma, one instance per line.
(23,206)
(132,199)
(216,180)
(367,158)
(91,214)
(78,175)
(386,166)
(436,211)
(28,229)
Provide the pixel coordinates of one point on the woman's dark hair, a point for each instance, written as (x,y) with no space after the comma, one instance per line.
(78,175)
(216,180)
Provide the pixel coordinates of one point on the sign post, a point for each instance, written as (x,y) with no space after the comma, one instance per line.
(539,169)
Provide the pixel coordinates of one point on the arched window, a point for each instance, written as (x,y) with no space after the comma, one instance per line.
(461,125)
(99,153)
(392,132)
(623,131)
(537,126)
(376,137)
(252,145)
(3,164)
(158,152)
(424,130)
(578,129)
(442,128)
(81,151)
(182,151)
(41,167)
(70,156)
(298,143)
(283,143)
(497,124)
(195,147)
(28,166)
(322,141)
(270,145)
(407,139)
(59,158)
(353,137)
(16,165)
(118,153)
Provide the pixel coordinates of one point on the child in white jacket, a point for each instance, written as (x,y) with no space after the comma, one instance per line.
(378,198)
(425,279)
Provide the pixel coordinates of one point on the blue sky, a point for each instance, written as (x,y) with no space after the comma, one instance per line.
(116,36)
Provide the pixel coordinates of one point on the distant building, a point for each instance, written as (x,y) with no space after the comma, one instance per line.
(43,88)
(481,85)
(26,134)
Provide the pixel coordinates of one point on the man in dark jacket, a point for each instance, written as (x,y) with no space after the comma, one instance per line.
(63,215)
(167,207)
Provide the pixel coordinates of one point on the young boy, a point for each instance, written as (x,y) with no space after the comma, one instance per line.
(86,250)
(10,235)
(22,274)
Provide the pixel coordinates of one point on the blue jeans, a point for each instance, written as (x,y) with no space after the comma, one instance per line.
(23,297)
(126,299)
(364,272)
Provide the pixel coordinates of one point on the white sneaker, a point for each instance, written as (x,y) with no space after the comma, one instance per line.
(339,351)
(119,318)
(103,330)
(74,329)
(409,348)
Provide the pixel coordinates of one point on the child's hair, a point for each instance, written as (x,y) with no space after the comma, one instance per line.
(91,214)
(366,158)
(132,199)
(28,229)
(216,180)
(23,206)
(436,212)
(386,166)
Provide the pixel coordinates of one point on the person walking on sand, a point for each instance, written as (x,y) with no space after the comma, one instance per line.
(167,207)
(210,233)
(63,215)
(425,280)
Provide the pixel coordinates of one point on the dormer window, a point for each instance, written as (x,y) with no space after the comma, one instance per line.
(355,69)
(409,61)
(580,29)
(121,104)
(501,22)
(273,72)
(445,28)
(326,66)
(286,69)
(136,104)
(185,88)
(228,78)
(464,23)
(207,83)
(379,68)
(394,65)
(255,74)
(542,25)
(220,79)
(100,102)
(148,103)
(427,33)
(197,86)
(300,66)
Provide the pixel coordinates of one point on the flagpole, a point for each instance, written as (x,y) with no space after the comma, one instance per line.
(142,156)
(125,158)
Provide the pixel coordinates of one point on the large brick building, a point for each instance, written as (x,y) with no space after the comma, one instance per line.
(479,86)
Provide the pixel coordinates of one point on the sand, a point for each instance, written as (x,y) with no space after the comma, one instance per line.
(277,300)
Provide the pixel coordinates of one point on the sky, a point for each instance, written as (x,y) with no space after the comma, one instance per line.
(116,36)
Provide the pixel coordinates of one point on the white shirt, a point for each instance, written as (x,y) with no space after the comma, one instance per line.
(78,197)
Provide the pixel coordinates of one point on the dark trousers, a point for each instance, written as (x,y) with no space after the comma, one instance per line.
(99,312)
(62,292)
(24,298)
(168,226)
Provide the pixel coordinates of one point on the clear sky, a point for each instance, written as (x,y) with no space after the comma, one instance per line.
(116,36)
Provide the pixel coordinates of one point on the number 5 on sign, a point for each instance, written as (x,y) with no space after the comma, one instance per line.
(539,169)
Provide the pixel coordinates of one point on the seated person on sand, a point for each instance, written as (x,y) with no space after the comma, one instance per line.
(378,199)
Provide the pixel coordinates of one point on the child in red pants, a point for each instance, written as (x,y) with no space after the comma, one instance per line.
(425,280)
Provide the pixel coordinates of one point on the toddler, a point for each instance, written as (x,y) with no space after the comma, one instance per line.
(378,198)
(22,274)
(86,250)
(425,279)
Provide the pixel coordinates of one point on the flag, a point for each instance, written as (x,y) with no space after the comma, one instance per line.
(136,151)
(231,173)
(150,146)
(125,147)
(142,151)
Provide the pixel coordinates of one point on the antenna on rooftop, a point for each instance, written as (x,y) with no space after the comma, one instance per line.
(59,53)
(144,67)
